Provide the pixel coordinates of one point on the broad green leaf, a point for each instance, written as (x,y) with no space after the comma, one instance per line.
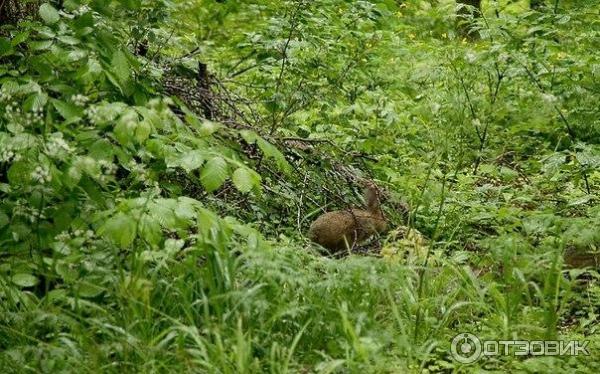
(209,127)
(49,14)
(35,102)
(40,45)
(185,212)
(150,230)
(163,211)
(271,151)
(19,38)
(10,86)
(70,112)
(101,149)
(214,174)
(64,269)
(120,229)
(206,221)
(120,67)
(24,280)
(84,24)
(4,220)
(245,179)
(5,47)
(126,127)
(142,131)
(69,40)
(88,288)
(73,175)
(24,141)
(249,136)
(19,173)
(191,160)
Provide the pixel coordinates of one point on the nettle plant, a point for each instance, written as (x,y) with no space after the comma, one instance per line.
(82,163)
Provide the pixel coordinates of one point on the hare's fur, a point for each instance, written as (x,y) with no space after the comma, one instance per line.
(343,229)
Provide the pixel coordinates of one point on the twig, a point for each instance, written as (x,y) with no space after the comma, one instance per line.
(300,204)
(563,119)
(284,60)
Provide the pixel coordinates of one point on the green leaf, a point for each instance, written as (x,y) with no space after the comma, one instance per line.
(35,102)
(19,38)
(49,14)
(70,112)
(150,230)
(120,67)
(120,228)
(268,149)
(88,288)
(208,128)
(207,220)
(101,149)
(19,173)
(249,136)
(69,40)
(124,131)
(214,174)
(271,151)
(72,176)
(163,211)
(66,271)
(40,45)
(245,179)
(142,131)
(24,280)
(5,47)
(189,161)
(4,220)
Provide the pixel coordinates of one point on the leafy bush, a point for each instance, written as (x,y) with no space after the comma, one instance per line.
(138,235)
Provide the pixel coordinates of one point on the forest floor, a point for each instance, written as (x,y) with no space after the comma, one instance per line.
(161,163)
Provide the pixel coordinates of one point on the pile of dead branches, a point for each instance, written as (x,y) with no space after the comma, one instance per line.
(13,11)
(321,167)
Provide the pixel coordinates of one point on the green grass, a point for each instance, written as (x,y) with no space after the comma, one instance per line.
(169,244)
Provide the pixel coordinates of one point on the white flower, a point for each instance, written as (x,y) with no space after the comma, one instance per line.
(62,237)
(41,175)
(549,98)
(470,57)
(57,146)
(94,115)
(107,168)
(5,96)
(7,155)
(81,10)
(79,99)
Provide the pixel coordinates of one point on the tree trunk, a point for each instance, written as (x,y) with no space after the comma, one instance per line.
(466,16)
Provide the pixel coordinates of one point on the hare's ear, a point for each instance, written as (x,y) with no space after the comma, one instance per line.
(372,196)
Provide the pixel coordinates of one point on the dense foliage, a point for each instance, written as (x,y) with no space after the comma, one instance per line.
(143,229)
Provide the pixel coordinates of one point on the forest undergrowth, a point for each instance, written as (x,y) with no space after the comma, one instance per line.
(161,162)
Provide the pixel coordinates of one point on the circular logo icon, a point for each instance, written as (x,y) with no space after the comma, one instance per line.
(466,348)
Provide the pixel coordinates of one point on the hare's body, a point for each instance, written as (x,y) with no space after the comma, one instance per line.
(343,229)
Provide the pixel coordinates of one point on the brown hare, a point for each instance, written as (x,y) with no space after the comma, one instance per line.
(343,229)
